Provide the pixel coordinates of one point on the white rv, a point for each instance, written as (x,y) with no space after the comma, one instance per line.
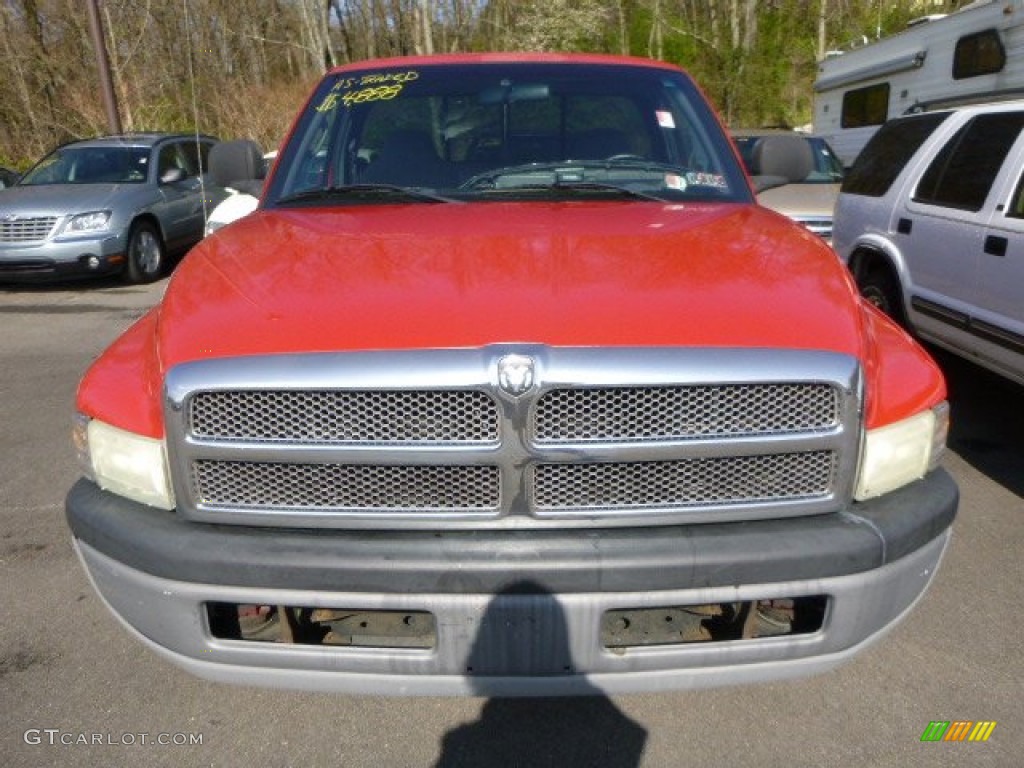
(973,55)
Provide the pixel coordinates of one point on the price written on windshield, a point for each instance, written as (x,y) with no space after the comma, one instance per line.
(378,86)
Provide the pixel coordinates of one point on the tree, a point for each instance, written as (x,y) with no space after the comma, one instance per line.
(202,64)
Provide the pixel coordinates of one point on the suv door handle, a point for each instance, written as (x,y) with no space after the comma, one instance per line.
(903,226)
(996,245)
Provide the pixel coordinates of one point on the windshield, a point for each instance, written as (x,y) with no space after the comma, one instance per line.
(828,168)
(90,165)
(458,131)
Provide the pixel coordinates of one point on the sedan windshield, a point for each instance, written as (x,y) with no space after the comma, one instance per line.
(499,131)
(91,165)
(827,167)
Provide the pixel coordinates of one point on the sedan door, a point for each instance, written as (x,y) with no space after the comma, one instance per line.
(182,213)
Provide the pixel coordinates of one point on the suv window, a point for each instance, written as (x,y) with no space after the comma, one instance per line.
(962,173)
(888,151)
(1016,208)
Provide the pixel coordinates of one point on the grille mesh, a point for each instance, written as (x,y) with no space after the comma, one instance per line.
(339,486)
(659,413)
(686,482)
(398,416)
(576,454)
(26,230)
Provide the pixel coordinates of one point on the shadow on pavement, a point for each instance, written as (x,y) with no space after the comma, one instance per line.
(523,631)
(105,282)
(987,428)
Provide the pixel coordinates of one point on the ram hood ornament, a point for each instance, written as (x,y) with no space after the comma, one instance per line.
(516,374)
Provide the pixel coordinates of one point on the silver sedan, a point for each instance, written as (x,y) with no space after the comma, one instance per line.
(113,204)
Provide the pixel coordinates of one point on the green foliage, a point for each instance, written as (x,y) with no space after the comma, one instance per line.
(204,64)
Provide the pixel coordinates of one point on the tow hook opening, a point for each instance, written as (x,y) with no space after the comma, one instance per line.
(714,622)
(304,625)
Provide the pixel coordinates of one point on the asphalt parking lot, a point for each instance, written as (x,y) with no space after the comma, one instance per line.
(75,689)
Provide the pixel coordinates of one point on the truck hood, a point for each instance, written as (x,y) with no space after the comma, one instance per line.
(467,275)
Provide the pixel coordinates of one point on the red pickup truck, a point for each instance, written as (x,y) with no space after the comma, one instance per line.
(508,387)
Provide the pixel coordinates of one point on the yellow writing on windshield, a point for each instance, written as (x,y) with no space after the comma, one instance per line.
(375,86)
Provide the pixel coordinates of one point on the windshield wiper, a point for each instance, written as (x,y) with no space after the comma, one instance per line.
(572,187)
(570,171)
(365,193)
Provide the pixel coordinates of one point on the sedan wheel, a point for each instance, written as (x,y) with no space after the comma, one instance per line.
(145,254)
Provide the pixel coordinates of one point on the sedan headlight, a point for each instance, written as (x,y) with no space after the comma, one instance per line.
(900,453)
(122,462)
(94,221)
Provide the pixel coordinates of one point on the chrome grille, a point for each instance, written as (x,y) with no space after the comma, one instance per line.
(340,417)
(661,413)
(821,226)
(428,439)
(26,229)
(688,482)
(346,487)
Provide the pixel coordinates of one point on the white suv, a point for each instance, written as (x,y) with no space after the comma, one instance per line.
(931,222)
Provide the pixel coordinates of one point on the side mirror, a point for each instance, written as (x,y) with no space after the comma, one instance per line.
(172,175)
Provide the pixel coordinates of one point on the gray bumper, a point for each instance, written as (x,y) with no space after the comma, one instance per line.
(59,258)
(156,572)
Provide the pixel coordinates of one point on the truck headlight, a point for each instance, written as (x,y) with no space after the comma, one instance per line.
(94,221)
(900,453)
(122,462)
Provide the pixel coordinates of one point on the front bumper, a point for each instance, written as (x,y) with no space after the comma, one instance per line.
(157,572)
(54,259)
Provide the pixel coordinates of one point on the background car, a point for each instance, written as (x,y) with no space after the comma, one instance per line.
(243,195)
(8,178)
(930,220)
(111,204)
(809,200)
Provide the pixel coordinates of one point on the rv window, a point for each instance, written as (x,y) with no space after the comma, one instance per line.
(979,54)
(865,106)
(961,174)
(889,150)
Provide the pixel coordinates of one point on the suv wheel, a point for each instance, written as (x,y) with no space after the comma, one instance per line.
(145,254)
(881,288)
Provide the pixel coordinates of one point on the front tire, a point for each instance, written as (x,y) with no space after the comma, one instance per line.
(146,254)
(881,288)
